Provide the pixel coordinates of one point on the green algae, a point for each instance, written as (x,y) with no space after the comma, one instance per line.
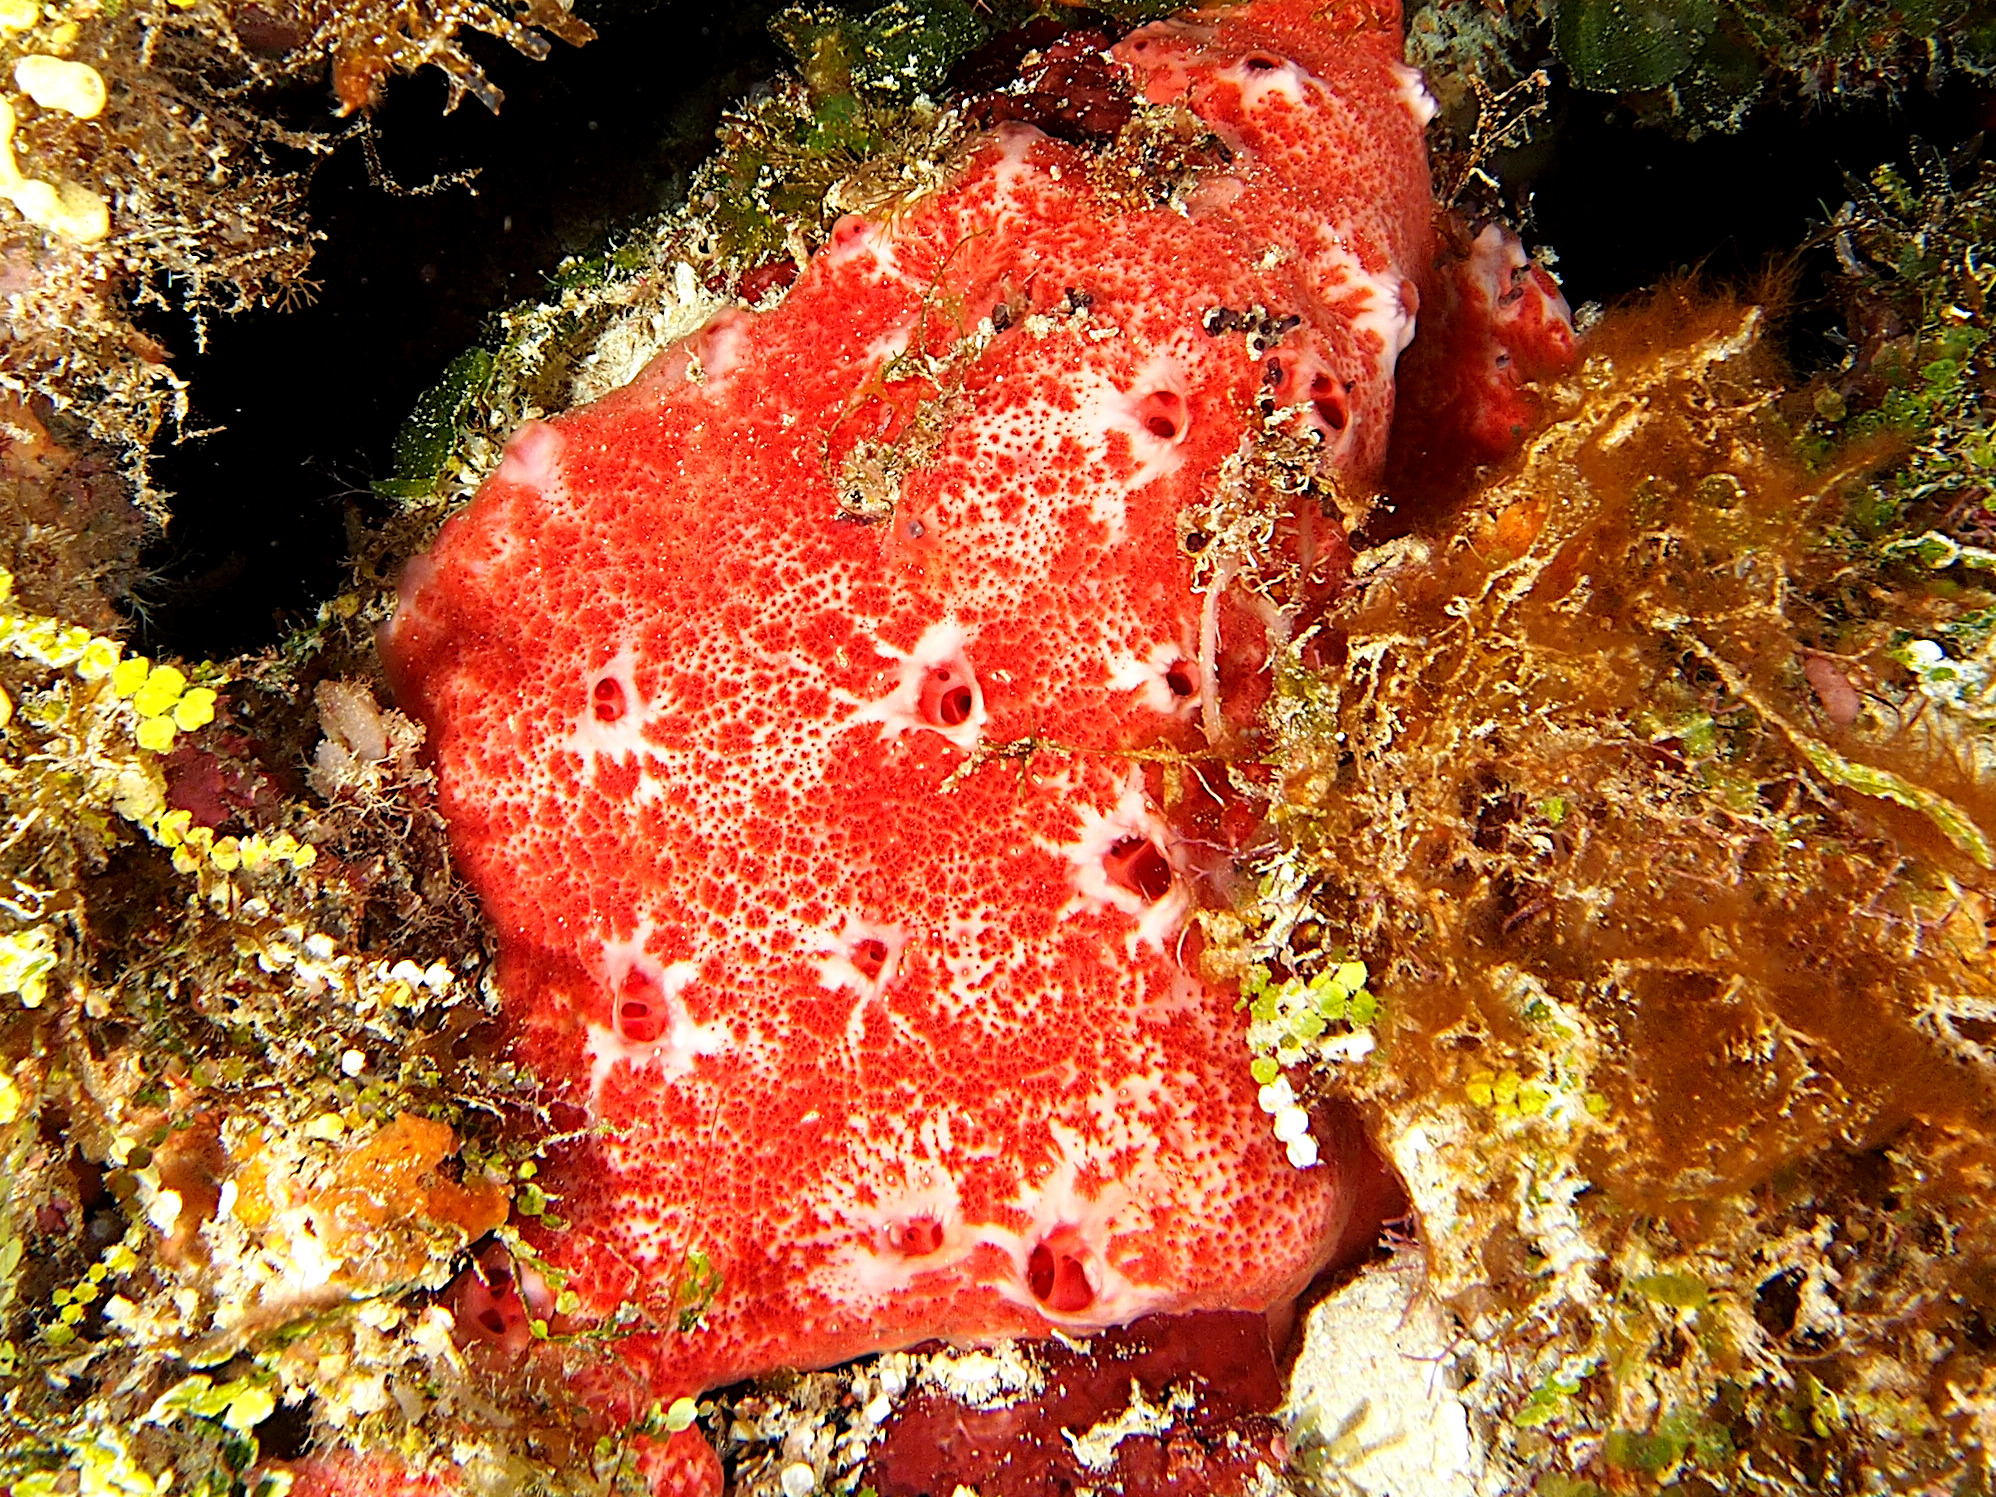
(436,426)
(1617,46)
(1699,66)
(896,52)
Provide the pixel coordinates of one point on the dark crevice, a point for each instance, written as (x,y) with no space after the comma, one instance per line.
(1625,205)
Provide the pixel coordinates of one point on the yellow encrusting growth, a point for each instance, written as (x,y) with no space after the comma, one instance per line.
(55,83)
(26,959)
(67,208)
(193,846)
(272,1099)
(154,704)
(164,701)
(1322,1020)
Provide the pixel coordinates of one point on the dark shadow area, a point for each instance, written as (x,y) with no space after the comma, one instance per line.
(1625,205)
(308,401)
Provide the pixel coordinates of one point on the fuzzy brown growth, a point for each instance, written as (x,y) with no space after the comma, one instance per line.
(1561,774)
(71,534)
(371,43)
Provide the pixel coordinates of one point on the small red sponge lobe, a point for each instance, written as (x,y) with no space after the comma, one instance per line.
(1209,1386)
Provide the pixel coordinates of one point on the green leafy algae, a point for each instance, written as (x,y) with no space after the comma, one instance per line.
(1617,46)
(434,428)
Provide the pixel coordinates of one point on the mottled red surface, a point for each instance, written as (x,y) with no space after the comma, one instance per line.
(841,882)
(217,781)
(349,1475)
(1187,1400)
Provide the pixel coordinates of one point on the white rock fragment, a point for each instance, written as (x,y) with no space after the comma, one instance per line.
(1292,1123)
(351,719)
(989,1379)
(164,1211)
(1348,1047)
(364,741)
(1373,1397)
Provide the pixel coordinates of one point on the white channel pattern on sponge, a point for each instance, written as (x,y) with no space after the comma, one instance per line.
(806,747)
(1495,260)
(866,1268)
(1035,434)
(1023,436)
(1185,993)
(972,971)
(1106,406)
(1166,74)
(1148,675)
(973,961)
(1087,860)
(531,460)
(941,647)
(1288,82)
(1383,298)
(681,1043)
(620,741)
(1412,91)
(831,954)
(861,1215)
(1057,1203)
(653,1236)
(889,346)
